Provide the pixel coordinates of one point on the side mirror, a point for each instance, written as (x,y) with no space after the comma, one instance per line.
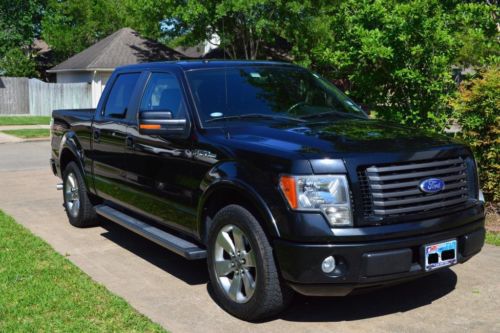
(160,123)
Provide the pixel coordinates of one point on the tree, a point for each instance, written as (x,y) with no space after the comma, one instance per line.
(396,56)
(477,33)
(16,62)
(70,26)
(19,23)
(393,56)
(147,16)
(476,107)
(244,26)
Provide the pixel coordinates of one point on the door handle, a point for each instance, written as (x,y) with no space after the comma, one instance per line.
(129,141)
(118,135)
(97,135)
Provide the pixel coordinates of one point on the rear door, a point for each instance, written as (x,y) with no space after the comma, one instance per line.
(109,135)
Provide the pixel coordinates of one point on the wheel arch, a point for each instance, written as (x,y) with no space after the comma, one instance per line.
(70,152)
(227,192)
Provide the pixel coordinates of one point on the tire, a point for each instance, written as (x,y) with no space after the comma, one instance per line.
(269,295)
(79,208)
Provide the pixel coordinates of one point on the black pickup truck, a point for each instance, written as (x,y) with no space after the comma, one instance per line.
(271,174)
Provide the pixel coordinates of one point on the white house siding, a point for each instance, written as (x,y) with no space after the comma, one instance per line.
(99,81)
(74,77)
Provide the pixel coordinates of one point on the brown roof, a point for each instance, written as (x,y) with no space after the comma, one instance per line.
(40,46)
(124,47)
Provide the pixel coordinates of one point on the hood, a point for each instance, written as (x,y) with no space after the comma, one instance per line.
(333,139)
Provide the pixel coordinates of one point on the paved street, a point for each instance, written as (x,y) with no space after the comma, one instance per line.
(174,292)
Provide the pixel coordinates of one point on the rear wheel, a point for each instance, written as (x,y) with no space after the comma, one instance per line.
(78,206)
(242,269)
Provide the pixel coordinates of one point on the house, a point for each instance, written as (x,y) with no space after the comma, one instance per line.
(44,59)
(200,50)
(96,63)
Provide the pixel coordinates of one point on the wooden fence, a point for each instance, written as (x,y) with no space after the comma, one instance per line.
(35,97)
(14,95)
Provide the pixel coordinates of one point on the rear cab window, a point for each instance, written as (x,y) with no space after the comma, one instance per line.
(119,97)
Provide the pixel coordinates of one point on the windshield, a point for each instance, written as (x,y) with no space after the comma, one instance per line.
(278,92)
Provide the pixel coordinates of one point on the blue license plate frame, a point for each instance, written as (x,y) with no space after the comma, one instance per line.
(436,250)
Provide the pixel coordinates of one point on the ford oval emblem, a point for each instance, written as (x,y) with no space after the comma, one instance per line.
(431,185)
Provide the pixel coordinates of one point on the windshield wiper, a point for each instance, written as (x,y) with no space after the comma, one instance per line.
(254,116)
(329,113)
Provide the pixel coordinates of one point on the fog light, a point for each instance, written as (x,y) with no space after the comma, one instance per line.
(328,264)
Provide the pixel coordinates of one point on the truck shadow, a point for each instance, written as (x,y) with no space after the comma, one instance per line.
(399,298)
(394,299)
(192,272)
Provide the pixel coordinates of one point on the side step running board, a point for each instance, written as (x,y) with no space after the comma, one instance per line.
(171,242)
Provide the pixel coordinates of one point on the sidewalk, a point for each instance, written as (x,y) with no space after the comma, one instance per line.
(6,138)
(18,127)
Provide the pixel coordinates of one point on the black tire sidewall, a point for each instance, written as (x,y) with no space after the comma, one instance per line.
(81,220)
(238,216)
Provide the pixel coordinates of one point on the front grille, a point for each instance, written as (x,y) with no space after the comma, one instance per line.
(390,190)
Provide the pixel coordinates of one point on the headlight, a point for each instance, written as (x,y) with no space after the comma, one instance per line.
(328,194)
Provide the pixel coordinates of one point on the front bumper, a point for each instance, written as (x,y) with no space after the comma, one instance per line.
(369,263)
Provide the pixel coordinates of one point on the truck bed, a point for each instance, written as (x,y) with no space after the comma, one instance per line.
(70,116)
(78,121)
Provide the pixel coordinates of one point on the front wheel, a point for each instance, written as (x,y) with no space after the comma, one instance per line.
(79,208)
(241,266)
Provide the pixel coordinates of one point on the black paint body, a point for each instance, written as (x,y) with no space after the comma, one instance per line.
(170,181)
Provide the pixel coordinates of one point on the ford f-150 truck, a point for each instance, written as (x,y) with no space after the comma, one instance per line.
(270,173)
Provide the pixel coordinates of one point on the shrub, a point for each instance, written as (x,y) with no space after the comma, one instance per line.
(477,110)
(17,63)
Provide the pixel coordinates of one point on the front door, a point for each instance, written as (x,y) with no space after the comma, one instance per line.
(109,134)
(158,169)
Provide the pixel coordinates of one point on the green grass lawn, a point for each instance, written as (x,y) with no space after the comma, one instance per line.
(29,133)
(24,120)
(493,238)
(42,291)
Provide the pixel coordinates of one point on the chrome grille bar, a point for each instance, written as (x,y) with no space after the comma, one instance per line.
(417,174)
(414,192)
(419,208)
(413,166)
(394,189)
(420,199)
(412,183)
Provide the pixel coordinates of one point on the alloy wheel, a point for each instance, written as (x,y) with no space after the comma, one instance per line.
(235,264)
(72,195)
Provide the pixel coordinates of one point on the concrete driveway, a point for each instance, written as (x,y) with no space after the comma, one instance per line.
(174,292)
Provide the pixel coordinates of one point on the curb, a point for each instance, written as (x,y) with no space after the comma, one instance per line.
(19,140)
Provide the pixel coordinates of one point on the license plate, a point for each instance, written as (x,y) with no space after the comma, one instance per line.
(440,255)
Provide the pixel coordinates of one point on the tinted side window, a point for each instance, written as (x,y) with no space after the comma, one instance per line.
(120,94)
(163,93)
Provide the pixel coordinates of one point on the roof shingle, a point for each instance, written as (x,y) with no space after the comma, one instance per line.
(123,47)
